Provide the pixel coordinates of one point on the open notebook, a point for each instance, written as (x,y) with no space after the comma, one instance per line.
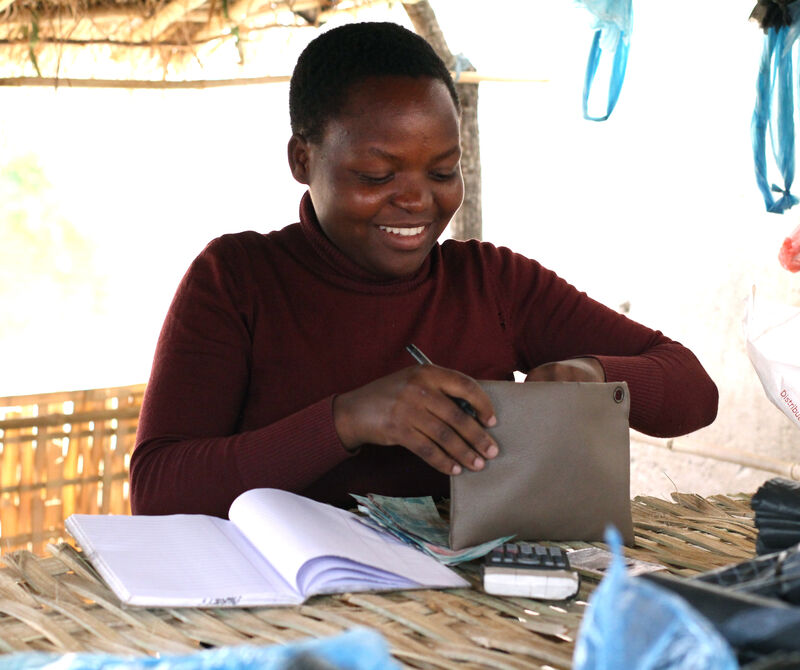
(277,549)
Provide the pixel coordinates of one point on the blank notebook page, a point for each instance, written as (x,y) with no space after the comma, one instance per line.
(176,557)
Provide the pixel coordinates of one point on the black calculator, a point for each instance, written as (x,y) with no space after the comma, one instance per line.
(529,569)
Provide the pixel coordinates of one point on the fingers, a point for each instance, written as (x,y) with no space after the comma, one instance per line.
(451,440)
(444,434)
(416,408)
(549,372)
(585,369)
(463,389)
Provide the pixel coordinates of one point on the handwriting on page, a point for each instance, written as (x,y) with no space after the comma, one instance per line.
(229,601)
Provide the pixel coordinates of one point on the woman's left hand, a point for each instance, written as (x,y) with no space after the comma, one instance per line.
(572,370)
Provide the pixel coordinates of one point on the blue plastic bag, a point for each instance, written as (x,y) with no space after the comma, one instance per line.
(613,24)
(632,624)
(358,649)
(774,112)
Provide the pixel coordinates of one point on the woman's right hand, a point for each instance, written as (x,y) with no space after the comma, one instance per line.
(414,408)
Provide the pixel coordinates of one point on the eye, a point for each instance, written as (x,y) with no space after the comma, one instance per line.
(369,178)
(444,175)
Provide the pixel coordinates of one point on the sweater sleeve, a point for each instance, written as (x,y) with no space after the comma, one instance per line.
(189,457)
(671,393)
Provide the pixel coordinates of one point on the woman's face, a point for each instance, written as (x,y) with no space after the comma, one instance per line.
(385,179)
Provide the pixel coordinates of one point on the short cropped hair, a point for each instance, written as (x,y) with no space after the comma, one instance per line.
(343,56)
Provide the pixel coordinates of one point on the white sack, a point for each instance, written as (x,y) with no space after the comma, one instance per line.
(773,345)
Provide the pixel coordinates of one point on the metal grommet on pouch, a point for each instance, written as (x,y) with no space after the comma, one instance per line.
(619,394)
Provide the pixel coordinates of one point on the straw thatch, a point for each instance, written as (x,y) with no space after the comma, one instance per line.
(58,604)
(41,37)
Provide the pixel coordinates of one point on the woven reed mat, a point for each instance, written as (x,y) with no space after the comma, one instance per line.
(57,603)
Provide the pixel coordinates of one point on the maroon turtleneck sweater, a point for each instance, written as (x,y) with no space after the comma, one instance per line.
(265,329)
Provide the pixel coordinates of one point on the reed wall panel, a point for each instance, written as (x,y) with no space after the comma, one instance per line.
(62,453)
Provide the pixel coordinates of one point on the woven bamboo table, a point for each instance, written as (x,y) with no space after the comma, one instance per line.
(56,603)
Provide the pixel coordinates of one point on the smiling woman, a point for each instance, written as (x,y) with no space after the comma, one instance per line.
(385,178)
(282,359)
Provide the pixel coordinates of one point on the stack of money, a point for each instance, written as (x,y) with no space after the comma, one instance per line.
(416,521)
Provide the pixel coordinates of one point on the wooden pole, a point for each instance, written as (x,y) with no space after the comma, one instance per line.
(136,83)
(197,83)
(467,223)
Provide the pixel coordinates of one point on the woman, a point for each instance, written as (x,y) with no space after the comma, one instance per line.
(282,359)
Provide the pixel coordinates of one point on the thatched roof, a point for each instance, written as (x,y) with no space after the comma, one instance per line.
(51,38)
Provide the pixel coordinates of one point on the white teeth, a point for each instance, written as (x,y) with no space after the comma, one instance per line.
(403,232)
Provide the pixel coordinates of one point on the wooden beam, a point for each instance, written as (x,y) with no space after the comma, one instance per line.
(56,82)
(199,83)
(470,77)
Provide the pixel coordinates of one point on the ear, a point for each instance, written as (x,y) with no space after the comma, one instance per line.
(298,150)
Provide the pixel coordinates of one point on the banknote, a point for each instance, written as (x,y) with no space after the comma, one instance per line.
(417,522)
(414,516)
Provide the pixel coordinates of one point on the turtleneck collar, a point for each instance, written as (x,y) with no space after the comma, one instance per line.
(339,269)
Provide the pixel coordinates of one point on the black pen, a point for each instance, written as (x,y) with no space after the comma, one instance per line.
(422,359)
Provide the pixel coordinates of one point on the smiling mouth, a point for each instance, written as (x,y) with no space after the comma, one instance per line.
(403,232)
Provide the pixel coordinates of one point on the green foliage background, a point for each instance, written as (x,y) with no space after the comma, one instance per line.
(46,265)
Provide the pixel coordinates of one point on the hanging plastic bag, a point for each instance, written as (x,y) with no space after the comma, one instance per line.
(632,624)
(613,23)
(773,345)
(774,109)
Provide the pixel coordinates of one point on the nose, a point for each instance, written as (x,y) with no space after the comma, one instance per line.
(413,194)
